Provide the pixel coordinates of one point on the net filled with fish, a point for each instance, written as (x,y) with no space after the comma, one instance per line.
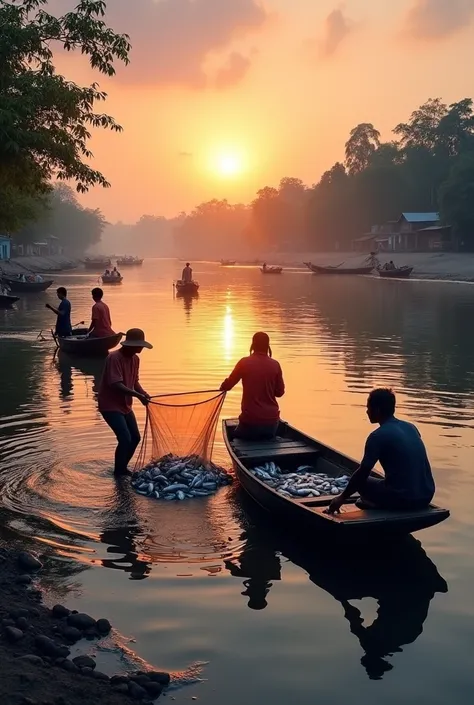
(305,482)
(175,458)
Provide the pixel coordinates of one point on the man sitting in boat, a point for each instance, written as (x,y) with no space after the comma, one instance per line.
(101,323)
(397,445)
(389,266)
(63,312)
(262,382)
(115,272)
(107,273)
(187,274)
(264,266)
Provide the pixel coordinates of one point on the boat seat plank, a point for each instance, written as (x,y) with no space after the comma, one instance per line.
(277,453)
(269,446)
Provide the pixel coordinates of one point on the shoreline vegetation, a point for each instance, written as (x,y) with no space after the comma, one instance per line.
(35,647)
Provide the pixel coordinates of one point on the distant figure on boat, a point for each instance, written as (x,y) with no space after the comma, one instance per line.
(408,483)
(115,272)
(101,323)
(107,273)
(262,382)
(38,278)
(187,274)
(264,266)
(389,266)
(119,384)
(63,312)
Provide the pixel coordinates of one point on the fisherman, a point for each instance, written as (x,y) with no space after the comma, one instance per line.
(101,323)
(408,483)
(264,267)
(107,273)
(391,266)
(262,382)
(115,272)
(119,384)
(38,278)
(63,312)
(187,274)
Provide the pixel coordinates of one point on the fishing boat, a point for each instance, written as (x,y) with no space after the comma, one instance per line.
(129,262)
(338,269)
(271,270)
(291,449)
(109,279)
(399,273)
(97,262)
(227,262)
(26,286)
(7,301)
(188,288)
(83,346)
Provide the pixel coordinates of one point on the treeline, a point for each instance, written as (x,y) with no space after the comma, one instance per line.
(60,215)
(428,166)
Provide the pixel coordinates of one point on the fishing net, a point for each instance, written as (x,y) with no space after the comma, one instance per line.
(181,425)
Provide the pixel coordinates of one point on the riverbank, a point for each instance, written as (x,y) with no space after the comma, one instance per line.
(448,266)
(43,265)
(36,643)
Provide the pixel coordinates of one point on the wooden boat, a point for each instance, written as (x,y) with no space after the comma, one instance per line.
(79,344)
(97,262)
(129,262)
(111,280)
(227,262)
(339,269)
(271,270)
(25,287)
(292,448)
(7,301)
(188,288)
(399,273)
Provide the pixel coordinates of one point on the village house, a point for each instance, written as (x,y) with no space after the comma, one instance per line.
(412,232)
(5,247)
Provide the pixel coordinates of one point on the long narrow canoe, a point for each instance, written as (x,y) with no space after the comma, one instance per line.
(25,287)
(399,273)
(83,346)
(316,269)
(271,270)
(293,448)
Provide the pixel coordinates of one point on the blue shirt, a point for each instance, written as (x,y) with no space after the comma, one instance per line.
(398,446)
(63,322)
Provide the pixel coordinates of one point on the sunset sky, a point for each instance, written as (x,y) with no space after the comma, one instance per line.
(223,97)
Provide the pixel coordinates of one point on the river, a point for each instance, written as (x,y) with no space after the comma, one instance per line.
(209,582)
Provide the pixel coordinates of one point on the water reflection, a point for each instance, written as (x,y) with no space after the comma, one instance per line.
(188,301)
(399,576)
(90,369)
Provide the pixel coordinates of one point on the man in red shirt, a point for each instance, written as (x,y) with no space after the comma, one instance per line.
(101,323)
(119,384)
(262,382)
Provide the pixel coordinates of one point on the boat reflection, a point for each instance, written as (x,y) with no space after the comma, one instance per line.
(400,577)
(90,368)
(188,301)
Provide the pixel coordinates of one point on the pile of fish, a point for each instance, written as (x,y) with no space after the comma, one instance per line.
(172,477)
(305,482)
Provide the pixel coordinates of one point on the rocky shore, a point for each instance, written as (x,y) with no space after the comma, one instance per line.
(35,648)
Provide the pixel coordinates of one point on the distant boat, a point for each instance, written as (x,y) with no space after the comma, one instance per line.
(227,262)
(129,262)
(26,286)
(398,273)
(97,262)
(186,287)
(109,279)
(339,269)
(80,344)
(7,301)
(271,270)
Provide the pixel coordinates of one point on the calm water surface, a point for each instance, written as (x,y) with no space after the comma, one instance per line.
(209,581)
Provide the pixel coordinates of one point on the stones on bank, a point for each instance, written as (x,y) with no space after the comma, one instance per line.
(37,641)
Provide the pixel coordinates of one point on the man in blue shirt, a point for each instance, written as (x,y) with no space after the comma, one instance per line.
(397,445)
(63,313)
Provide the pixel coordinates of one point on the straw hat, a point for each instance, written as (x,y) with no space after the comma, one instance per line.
(135,338)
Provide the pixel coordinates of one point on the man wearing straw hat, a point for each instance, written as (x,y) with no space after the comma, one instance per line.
(119,384)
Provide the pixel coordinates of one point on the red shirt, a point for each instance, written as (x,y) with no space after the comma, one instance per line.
(101,320)
(262,382)
(118,368)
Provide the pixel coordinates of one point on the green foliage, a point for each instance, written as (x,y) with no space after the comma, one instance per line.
(457,201)
(45,120)
(363,141)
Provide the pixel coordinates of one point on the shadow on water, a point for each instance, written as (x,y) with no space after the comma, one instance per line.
(90,368)
(188,302)
(399,576)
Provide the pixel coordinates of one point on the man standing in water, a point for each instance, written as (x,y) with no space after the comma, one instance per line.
(119,384)
(262,382)
(187,274)
(63,312)
(101,323)
(408,482)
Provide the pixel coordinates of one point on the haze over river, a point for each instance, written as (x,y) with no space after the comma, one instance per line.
(208,580)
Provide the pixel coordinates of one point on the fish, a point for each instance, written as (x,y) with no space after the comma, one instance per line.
(180,495)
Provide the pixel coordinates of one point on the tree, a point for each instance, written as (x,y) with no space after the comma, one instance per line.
(456,200)
(422,128)
(45,119)
(361,145)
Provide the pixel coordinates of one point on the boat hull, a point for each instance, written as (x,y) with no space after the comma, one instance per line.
(189,288)
(124,263)
(97,264)
(275,270)
(338,271)
(402,273)
(112,280)
(27,287)
(88,347)
(8,301)
(293,448)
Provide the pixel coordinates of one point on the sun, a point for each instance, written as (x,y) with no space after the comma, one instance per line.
(229,164)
